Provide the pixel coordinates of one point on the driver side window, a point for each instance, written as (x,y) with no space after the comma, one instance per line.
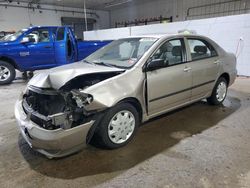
(171,52)
(39,35)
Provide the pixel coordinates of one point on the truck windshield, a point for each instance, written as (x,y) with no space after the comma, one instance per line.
(123,53)
(14,36)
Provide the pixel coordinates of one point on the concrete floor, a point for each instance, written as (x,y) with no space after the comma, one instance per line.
(197,146)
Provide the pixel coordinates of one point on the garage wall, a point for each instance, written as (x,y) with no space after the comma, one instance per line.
(12,18)
(178,9)
(230,32)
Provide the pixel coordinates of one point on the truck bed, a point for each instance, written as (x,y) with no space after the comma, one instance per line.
(88,47)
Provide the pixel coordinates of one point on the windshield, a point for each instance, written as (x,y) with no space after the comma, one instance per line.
(14,36)
(123,53)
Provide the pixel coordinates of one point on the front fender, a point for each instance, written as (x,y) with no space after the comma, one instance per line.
(106,94)
(11,60)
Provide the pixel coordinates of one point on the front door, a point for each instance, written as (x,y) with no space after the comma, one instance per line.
(39,52)
(170,86)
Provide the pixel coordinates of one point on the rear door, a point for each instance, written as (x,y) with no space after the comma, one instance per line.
(205,66)
(169,86)
(71,45)
(65,46)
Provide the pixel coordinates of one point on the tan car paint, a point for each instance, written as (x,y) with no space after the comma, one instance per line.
(163,82)
(157,91)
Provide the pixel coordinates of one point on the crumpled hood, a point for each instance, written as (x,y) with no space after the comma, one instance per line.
(57,77)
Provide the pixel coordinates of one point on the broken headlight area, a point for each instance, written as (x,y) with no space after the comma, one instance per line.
(51,109)
(81,98)
(63,108)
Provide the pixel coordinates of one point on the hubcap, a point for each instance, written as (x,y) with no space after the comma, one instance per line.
(121,127)
(221,91)
(4,73)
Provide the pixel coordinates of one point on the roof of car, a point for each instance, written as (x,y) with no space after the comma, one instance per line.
(157,36)
(34,27)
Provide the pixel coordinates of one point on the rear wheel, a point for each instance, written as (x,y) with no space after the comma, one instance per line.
(7,73)
(219,92)
(118,126)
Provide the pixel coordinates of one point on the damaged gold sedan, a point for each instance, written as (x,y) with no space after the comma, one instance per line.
(107,95)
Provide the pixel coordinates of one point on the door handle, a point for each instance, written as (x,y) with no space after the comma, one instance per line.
(47,47)
(187,69)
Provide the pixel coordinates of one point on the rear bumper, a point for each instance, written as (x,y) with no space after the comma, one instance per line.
(52,143)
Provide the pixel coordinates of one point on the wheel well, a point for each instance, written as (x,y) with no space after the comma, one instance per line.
(10,61)
(226,76)
(135,102)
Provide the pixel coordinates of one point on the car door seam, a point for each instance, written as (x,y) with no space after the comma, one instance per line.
(181,91)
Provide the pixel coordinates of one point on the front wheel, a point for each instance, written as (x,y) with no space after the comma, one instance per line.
(219,92)
(7,73)
(118,126)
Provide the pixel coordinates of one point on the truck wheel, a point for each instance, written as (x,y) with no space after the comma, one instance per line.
(31,74)
(118,126)
(7,73)
(25,76)
(219,92)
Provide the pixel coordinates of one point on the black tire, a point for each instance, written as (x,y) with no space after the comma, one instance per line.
(25,75)
(101,136)
(11,73)
(213,99)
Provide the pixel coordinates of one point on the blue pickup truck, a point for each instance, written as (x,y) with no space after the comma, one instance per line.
(41,47)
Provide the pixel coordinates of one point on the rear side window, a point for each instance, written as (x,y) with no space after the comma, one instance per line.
(60,34)
(201,49)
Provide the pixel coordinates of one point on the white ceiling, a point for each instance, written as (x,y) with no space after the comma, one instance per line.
(90,4)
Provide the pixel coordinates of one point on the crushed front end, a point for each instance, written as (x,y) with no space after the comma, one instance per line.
(55,115)
(55,123)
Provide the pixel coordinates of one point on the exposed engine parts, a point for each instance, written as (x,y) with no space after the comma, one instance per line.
(63,108)
(81,98)
(62,119)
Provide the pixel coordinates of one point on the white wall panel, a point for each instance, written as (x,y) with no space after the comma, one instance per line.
(107,34)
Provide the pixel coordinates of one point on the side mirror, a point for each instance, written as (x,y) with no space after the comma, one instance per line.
(155,64)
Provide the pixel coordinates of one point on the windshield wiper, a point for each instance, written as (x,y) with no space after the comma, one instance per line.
(105,64)
(87,62)
(100,63)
